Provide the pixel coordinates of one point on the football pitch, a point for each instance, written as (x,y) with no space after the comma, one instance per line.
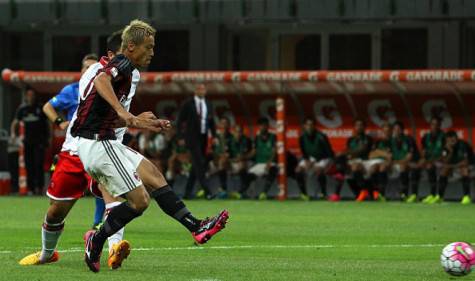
(270,240)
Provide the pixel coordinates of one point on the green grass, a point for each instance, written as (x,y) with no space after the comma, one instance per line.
(263,241)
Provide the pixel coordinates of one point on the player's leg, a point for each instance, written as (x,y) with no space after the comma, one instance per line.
(432,176)
(415,174)
(66,186)
(442,183)
(465,173)
(223,166)
(168,201)
(50,232)
(99,209)
(301,177)
(403,170)
(270,176)
(383,180)
(321,179)
(119,249)
(119,216)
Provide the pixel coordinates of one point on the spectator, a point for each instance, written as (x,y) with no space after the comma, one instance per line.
(264,153)
(317,155)
(197,118)
(404,152)
(457,156)
(433,144)
(378,165)
(35,141)
(151,145)
(179,161)
(240,155)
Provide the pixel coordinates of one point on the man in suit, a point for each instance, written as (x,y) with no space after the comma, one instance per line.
(194,121)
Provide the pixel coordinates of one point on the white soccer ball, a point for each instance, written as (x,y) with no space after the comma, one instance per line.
(457,258)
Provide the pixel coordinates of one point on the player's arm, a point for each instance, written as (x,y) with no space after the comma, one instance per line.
(54,117)
(104,87)
(65,99)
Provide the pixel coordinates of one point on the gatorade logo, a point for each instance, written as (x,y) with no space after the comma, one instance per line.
(437,108)
(327,113)
(381,111)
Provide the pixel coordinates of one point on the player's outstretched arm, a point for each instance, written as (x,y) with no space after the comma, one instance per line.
(54,117)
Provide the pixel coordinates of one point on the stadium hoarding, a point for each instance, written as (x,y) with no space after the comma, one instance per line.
(334,98)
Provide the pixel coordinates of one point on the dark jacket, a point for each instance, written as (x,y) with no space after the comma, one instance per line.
(188,122)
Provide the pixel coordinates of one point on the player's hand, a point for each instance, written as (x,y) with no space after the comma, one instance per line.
(64,125)
(147,115)
(164,124)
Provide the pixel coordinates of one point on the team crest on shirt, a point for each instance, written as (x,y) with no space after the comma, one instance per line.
(136,176)
(114,72)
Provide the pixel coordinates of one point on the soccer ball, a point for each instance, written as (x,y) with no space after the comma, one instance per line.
(457,258)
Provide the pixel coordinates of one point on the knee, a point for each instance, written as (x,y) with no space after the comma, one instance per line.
(140,204)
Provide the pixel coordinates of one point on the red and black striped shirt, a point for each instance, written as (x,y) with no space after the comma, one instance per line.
(95,116)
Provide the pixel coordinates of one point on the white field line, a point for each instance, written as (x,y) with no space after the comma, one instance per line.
(246,247)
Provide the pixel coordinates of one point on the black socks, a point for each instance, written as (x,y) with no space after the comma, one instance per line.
(118,217)
(174,207)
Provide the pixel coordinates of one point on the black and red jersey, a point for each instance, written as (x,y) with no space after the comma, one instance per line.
(95,117)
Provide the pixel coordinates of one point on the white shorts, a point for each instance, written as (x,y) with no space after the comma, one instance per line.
(323,164)
(259,169)
(112,164)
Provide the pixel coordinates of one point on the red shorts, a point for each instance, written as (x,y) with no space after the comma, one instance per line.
(70,181)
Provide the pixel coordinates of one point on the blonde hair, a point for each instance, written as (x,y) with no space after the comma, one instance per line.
(136,32)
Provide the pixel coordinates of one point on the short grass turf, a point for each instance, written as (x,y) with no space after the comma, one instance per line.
(271,240)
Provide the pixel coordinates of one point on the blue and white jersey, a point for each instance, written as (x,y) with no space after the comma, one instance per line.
(67,100)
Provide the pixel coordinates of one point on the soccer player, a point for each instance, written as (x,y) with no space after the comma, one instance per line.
(69,181)
(358,148)
(264,152)
(241,150)
(404,153)
(317,155)
(221,153)
(457,155)
(121,170)
(433,144)
(378,164)
(67,100)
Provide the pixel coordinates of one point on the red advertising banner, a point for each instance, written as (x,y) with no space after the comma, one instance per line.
(378,109)
(446,107)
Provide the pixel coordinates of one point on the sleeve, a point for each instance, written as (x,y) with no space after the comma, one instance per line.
(64,99)
(118,68)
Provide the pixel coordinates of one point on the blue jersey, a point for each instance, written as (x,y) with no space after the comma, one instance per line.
(67,100)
